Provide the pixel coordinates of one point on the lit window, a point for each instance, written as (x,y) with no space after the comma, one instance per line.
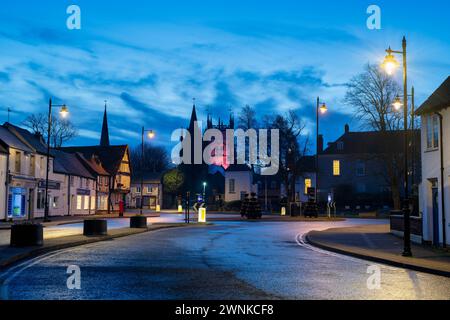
(308,184)
(336,168)
(79,202)
(92,203)
(86,202)
(55,202)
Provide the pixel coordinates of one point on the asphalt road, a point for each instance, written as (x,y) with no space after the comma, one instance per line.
(230,260)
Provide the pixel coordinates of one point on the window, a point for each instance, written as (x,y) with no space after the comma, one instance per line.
(55,202)
(32,165)
(92,203)
(79,202)
(41,167)
(86,203)
(17,162)
(231,186)
(336,167)
(340,145)
(138,189)
(361,169)
(81,182)
(360,188)
(40,199)
(88,183)
(308,184)
(432,125)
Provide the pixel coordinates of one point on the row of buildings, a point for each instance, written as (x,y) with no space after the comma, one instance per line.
(82,180)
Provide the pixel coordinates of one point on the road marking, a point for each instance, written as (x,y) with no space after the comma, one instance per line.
(6,278)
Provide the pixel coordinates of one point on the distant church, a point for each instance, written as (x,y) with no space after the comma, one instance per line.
(213,175)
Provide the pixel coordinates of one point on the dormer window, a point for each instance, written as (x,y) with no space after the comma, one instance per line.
(340,145)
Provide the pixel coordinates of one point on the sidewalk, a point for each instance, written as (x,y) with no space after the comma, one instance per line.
(62,220)
(375,243)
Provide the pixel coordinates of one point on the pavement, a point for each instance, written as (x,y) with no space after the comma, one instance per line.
(376,243)
(229,260)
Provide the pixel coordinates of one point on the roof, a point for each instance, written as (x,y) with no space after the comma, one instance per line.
(94,165)
(238,168)
(440,99)
(110,156)
(369,142)
(70,164)
(33,139)
(12,140)
(149,177)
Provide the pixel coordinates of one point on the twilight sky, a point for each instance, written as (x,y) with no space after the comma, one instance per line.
(150,58)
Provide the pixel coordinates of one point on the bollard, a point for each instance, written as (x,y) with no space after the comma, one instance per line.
(283,211)
(180,209)
(138,222)
(26,235)
(95,227)
(202,215)
(158,208)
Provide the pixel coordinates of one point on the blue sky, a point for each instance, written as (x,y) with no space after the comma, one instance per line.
(150,58)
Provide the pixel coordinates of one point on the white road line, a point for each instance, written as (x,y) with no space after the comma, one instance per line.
(10,274)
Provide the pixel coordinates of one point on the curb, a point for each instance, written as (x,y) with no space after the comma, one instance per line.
(42,250)
(377,259)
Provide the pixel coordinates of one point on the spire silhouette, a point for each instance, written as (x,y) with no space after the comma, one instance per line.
(104,140)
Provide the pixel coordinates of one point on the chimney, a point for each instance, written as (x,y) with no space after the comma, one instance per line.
(347,128)
(320,144)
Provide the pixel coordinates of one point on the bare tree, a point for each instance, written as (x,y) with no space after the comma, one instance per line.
(61,130)
(293,146)
(156,159)
(247,118)
(371,93)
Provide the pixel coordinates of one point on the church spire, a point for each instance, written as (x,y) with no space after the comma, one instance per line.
(193,118)
(104,140)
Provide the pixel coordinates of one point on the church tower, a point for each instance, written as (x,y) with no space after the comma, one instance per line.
(104,140)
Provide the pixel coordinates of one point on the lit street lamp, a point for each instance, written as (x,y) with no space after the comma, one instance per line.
(204,192)
(390,64)
(151,135)
(322,109)
(64,112)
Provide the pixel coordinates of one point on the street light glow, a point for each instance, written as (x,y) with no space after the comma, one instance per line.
(151,134)
(397,104)
(323,108)
(64,112)
(390,64)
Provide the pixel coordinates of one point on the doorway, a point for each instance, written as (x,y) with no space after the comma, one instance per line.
(435,199)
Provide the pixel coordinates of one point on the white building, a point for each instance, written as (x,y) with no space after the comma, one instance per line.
(152,193)
(434,190)
(239,182)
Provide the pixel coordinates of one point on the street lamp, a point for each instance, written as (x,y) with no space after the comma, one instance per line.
(390,64)
(64,112)
(151,135)
(204,192)
(322,109)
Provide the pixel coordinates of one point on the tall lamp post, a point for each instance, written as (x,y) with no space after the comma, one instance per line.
(390,64)
(204,192)
(151,135)
(321,108)
(64,112)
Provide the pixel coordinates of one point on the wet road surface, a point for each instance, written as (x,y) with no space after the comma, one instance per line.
(230,260)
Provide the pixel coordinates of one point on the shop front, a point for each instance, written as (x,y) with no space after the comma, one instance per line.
(20,198)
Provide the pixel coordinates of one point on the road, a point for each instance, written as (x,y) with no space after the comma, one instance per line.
(230,260)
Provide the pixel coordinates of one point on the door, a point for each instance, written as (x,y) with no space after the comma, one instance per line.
(31,204)
(435,196)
